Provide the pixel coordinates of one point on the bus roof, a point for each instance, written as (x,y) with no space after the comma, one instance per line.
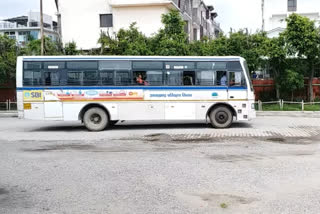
(148,58)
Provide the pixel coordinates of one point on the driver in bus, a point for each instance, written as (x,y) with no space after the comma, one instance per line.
(223,80)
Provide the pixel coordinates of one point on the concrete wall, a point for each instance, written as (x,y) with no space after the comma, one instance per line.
(80,22)
(276,11)
(149,23)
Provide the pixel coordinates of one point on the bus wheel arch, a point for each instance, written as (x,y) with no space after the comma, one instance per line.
(226,111)
(97,109)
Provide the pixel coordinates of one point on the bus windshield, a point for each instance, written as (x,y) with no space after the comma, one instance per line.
(248,74)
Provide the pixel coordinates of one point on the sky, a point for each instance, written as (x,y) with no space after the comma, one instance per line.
(235,14)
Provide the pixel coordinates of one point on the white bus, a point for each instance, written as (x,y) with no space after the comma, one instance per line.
(101,90)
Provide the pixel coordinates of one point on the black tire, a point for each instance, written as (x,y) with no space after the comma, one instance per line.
(221,117)
(96,119)
(113,122)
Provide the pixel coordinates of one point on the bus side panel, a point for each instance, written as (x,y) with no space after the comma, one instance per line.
(71,110)
(141,111)
(35,112)
(20,104)
(180,111)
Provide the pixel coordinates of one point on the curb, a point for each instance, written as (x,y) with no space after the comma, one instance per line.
(313,114)
(7,114)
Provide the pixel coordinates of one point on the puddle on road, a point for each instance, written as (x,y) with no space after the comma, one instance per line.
(81,147)
(3,191)
(96,149)
(293,141)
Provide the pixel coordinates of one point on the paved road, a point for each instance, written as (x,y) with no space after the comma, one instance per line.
(269,165)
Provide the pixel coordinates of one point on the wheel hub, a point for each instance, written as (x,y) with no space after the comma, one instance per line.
(222,117)
(95,118)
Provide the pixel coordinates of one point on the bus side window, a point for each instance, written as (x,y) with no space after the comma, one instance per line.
(74,78)
(222,78)
(189,78)
(206,78)
(174,78)
(51,78)
(107,77)
(122,78)
(90,78)
(139,77)
(235,78)
(154,78)
(28,78)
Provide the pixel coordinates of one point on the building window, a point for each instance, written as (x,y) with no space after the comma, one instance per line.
(106,20)
(292,5)
(179,3)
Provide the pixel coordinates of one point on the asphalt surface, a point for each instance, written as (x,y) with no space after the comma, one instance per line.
(269,165)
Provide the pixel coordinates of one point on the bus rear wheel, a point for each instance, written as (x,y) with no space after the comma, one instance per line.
(95,119)
(221,117)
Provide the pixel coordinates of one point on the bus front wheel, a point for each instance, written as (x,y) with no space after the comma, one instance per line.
(221,117)
(95,119)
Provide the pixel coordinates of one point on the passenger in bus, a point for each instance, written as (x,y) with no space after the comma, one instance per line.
(139,80)
(223,80)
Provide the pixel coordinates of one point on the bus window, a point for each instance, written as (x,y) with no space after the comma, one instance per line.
(90,78)
(114,65)
(28,78)
(147,65)
(234,78)
(51,78)
(107,77)
(189,78)
(148,78)
(154,78)
(222,78)
(206,78)
(174,78)
(139,77)
(122,78)
(74,77)
(82,65)
(37,78)
(32,73)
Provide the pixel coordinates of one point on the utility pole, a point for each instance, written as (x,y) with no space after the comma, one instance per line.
(262,10)
(41,29)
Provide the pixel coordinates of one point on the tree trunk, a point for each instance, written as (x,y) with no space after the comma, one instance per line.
(311,74)
(277,85)
(277,92)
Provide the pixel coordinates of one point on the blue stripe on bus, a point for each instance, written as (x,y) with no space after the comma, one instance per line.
(130,88)
(120,58)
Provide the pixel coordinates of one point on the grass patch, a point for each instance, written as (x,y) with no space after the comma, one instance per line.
(224,205)
(314,107)
(271,107)
(292,107)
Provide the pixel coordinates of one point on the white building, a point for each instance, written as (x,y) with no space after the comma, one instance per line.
(83,22)
(276,12)
(22,27)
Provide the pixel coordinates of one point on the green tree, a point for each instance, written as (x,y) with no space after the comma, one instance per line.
(292,81)
(50,48)
(132,42)
(276,53)
(303,40)
(126,42)
(172,40)
(71,48)
(8,55)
